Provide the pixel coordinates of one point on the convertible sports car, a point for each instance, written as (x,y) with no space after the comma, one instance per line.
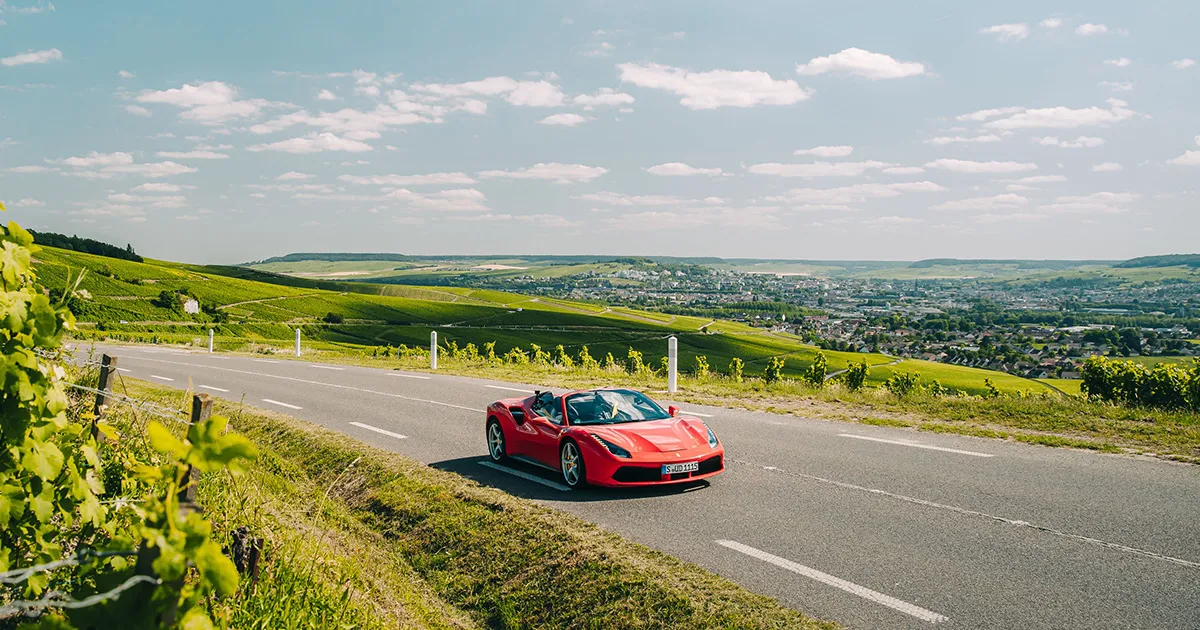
(605,437)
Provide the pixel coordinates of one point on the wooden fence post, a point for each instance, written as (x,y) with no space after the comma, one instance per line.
(201,410)
(108,370)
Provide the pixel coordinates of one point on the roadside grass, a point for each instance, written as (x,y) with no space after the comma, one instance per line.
(400,544)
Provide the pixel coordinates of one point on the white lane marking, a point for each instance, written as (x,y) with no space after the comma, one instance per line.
(265,361)
(161,378)
(124,370)
(526,476)
(219,358)
(696,413)
(378,430)
(511,389)
(992,517)
(325,367)
(308,382)
(836,582)
(215,389)
(916,445)
(424,378)
(281,404)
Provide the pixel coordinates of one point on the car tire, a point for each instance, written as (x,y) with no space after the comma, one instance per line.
(497,444)
(570,459)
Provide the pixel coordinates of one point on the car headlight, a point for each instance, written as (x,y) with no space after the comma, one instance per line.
(612,448)
(712,437)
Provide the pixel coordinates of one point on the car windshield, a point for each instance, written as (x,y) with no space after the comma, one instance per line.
(612,406)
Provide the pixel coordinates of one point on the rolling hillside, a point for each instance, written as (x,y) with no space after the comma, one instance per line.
(257,306)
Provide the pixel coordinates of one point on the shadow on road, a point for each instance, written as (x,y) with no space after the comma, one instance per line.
(471,468)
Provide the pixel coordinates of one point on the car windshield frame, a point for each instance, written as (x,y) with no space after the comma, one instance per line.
(624,406)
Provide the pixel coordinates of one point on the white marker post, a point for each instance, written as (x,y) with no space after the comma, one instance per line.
(210,340)
(433,350)
(672,365)
(297,342)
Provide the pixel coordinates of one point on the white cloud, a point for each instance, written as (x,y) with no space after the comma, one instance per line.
(1189,158)
(28,202)
(313,143)
(1040,179)
(984,114)
(1051,23)
(158,187)
(857,193)
(903,170)
(679,169)
(326,95)
(862,63)
(749,217)
(1082,142)
(518,93)
(1091,29)
(32,169)
(968,166)
(817,169)
(151,201)
(893,220)
(1117,86)
(620,199)
(1095,203)
(826,151)
(1122,62)
(137,110)
(1107,167)
(980,204)
(455,200)
(291,176)
(125,74)
(714,88)
(564,120)
(1183,64)
(150,170)
(1012,216)
(360,125)
(1006,32)
(409,180)
(33,56)
(559,173)
(1062,117)
(601,49)
(209,103)
(94,159)
(604,97)
(192,155)
(980,139)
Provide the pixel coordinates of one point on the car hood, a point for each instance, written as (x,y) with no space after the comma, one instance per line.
(654,436)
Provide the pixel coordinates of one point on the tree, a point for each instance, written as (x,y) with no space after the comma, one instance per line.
(815,374)
(774,370)
(855,376)
(736,366)
(332,318)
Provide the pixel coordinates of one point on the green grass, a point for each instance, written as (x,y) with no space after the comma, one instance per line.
(970,380)
(412,546)
(1065,385)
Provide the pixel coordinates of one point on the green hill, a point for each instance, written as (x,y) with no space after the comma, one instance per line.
(253,306)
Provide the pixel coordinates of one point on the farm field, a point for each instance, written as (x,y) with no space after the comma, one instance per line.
(261,307)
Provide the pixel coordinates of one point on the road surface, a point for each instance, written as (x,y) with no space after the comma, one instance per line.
(873,527)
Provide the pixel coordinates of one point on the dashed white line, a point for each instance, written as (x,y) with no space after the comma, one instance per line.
(417,376)
(511,389)
(916,445)
(215,389)
(281,404)
(526,476)
(696,413)
(308,382)
(265,361)
(836,582)
(378,430)
(325,367)
(162,378)
(124,370)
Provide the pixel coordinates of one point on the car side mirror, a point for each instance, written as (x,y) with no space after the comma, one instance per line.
(673,410)
(518,415)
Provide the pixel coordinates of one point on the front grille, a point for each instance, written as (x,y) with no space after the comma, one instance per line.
(677,476)
(635,474)
(712,464)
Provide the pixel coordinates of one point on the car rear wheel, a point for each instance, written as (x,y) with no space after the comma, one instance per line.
(573,471)
(497,449)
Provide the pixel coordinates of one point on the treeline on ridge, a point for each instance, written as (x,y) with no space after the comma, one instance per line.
(85,245)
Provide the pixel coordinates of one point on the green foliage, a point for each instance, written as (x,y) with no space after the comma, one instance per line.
(992,391)
(736,367)
(1165,386)
(610,362)
(633,362)
(516,356)
(586,361)
(903,383)
(774,370)
(51,472)
(855,375)
(936,389)
(815,374)
(561,358)
(489,352)
(332,318)
(538,356)
(702,369)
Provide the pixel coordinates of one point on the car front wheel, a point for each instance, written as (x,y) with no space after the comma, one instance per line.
(573,471)
(497,449)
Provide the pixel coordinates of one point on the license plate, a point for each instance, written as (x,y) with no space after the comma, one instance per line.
(686,467)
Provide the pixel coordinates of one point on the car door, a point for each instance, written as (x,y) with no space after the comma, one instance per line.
(543,429)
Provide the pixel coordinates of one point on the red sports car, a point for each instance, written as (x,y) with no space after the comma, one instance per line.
(605,437)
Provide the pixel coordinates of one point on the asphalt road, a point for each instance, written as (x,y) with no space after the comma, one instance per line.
(870,526)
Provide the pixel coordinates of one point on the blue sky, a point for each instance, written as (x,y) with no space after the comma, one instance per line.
(226,132)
